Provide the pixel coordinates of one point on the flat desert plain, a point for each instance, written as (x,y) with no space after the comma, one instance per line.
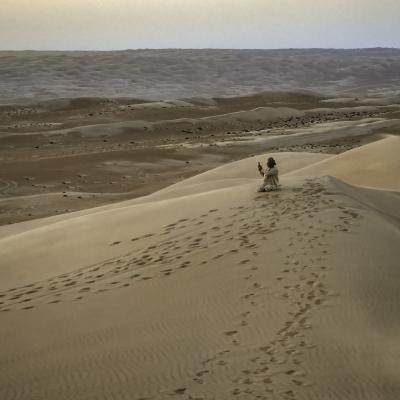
(138,261)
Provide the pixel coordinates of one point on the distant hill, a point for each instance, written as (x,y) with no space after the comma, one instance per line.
(155,74)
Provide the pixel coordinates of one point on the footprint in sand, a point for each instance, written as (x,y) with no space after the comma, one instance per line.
(31,291)
(180,391)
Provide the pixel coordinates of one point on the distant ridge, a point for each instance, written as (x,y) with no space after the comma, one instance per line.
(27,76)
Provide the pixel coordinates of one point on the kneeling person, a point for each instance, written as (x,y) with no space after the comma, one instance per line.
(271,176)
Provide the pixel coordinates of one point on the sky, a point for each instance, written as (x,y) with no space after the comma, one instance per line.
(132,24)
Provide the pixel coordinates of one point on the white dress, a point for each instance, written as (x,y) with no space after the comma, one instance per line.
(271,180)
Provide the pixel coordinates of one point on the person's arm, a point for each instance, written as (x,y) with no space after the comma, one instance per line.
(260,169)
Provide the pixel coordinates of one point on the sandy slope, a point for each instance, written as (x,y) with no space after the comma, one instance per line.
(78,239)
(208,290)
(240,171)
(374,165)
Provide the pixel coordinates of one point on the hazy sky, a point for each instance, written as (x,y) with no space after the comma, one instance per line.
(123,24)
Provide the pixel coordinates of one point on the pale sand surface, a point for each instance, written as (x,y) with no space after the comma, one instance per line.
(143,214)
(209,290)
(374,165)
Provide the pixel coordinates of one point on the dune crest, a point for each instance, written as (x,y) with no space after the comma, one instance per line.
(375,165)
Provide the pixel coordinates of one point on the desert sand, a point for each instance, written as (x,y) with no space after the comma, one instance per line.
(137,260)
(209,290)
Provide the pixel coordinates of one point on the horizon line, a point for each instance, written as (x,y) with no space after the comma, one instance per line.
(200,48)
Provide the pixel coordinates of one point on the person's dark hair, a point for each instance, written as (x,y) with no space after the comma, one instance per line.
(271,163)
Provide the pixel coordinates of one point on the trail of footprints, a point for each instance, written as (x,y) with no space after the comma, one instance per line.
(168,256)
(171,254)
(277,369)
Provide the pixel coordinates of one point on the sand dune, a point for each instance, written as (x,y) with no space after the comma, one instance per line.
(70,251)
(375,165)
(237,174)
(69,154)
(209,290)
(229,120)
